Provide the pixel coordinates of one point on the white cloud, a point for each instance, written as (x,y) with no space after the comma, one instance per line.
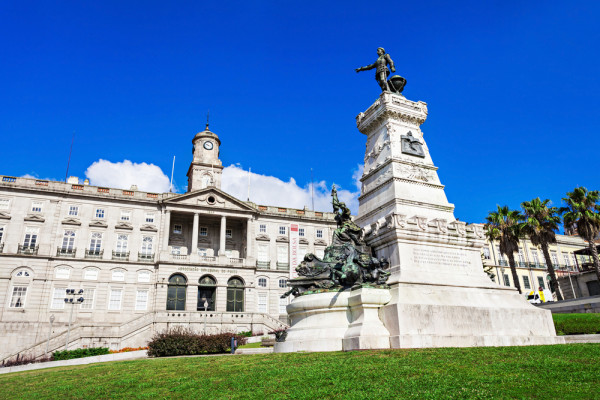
(270,190)
(147,177)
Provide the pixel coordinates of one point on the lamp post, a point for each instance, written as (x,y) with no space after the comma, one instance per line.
(49,334)
(70,299)
(205,310)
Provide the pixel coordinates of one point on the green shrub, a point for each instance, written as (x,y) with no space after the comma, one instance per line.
(576,324)
(180,341)
(246,333)
(79,353)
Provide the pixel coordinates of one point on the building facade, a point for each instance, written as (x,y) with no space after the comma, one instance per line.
(145,261)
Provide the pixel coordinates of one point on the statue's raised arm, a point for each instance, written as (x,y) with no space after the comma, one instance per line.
(395,83)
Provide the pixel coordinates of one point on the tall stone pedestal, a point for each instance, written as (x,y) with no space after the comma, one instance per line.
(440,294)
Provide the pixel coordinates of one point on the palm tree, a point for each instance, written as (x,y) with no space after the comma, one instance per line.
(582,214)
(505,226)
(541,224)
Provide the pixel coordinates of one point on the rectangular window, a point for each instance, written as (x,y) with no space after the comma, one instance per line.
(58,298)
(521,256)
(203,251)
(263,252)
(282,230)
(500,255)
(262,302)
(36,206)
(4,204)
(282,306)
(227,233)
(144,276)
(99,213)
(565,257)
(17,299)
(177,228)
(176,250)
(149,218)
(96,243)
(319,233)
(1,233)
(320,252)
(534,257)
(526,284)
(541,282)
(88,299)
(62,273)
(506,280)
(203,231)
(68,242)
(262,228)
(282,254)
(118,275)
(301,232)
(73,211)
(114,301)
(30,239)
(141,300)
(122,243)
(554,258)
(486,252)
(126,216)
(147,245)
(90,274)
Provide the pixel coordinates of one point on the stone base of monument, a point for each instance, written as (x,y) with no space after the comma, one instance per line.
(335,321)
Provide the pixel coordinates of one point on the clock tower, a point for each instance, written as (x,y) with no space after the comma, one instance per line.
(206,168)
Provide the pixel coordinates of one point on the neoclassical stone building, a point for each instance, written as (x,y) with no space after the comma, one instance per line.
(144,261)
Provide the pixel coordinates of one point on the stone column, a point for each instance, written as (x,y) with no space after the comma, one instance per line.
(250,260)
(222,237)
(166,231)
(195,235)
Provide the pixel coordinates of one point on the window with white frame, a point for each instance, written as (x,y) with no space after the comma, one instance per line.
(36,206)
(88,299)
(4,204)
(176,250)
(320,252)
(144,276)
(17,299)
(282,283)
(521,256)
(500,255)
(149,218)
(541,282)
(319,233)
(282,254)
(301,232)
(554,258)
(95,242)
(227,233)
(147,245)
(126,216)
(506,280)
(262,302)
(90,274)
(203,231)
(114,299)
(263,252)
(1,233)
(122,241)
(282,230)
(534,257)
(58,298)
(283,305)
(62,272)
(203,251)
(141,300)
(486,252)
(567,260)
(177,228)
(262,282)
(262,228)
(73,211)
(302,250)
(118,275)
(68,241)
(526,284)
(31,236)
(99,213)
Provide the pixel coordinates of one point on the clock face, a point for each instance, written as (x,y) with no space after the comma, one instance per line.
(208,145)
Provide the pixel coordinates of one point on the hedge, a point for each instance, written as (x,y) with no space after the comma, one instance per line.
(79,353)
(181,341)
(576,324)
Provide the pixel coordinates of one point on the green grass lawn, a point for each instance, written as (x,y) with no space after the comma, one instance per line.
(250,346)
(535,372)
(576,324)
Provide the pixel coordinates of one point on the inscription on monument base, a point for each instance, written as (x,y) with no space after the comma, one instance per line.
(457,260)
(209,270)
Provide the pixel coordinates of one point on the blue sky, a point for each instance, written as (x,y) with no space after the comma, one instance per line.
(512,89)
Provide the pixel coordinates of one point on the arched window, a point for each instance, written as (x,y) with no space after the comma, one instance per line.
(207,290)
(235,295)
(176,293)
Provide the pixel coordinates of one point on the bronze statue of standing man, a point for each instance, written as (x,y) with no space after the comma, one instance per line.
(396,83)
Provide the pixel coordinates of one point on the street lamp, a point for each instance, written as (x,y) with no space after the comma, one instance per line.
(70,299)
(49,334)
(205,310)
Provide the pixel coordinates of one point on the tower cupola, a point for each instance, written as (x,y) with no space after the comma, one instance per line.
(206,168)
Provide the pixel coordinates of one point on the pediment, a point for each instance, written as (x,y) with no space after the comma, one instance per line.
(148,228)
(98,224)
(210,197)
(204,239)
(71,221)
(34,218)
(320,242)
(4,215)
(124,225)
(303,241)
(262,236)
(282,239)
